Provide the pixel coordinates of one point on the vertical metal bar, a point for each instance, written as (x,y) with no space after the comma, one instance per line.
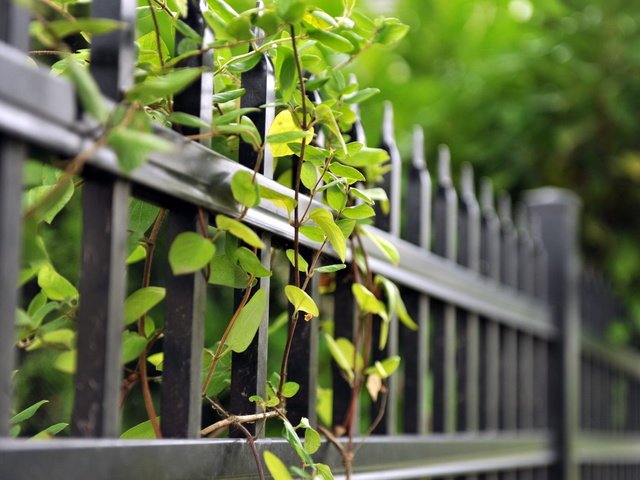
(468,323)
(508,336)
(186,294)
(391,224)
(113,55)
(558,212)
(490,267)
(249,368)
(303,367)
(444,315)
(526,385)
(100,313)
(183,339)
(102,276)
(14,30)
(344,326)
(540,347)
(416,344)
(12,153)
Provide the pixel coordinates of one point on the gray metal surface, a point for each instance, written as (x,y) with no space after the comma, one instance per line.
(202,177)
(396,457)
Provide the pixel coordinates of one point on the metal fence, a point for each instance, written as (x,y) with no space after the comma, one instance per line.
(518,391)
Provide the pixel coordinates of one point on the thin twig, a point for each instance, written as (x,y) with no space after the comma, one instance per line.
(236,420)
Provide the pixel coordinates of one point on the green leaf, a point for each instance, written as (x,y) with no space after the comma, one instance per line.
(188,120)
(54,285)
(386,247)
(332,40)
(340,356)
(141,215)
(133,146)
(324,406)
(286,73)
(289,389)
(361,195)
(361,95)
(132,346)
(385,368)
(314,234)
(46,201)
(143,430)
(278,199)
(324,471)
(301,300)
(315,83)
(366,157)
(395,303)
(325,221)
(283,131)
(139,253)
(311,438)
(190,252)
(240,27)
(239,230)
(276,468)
(221,379)
(94,26)
(346,226)
(157,360)
(63,336)
(27,413)
(50,431)
(308,175)
(313,155)
(162,86)
(367,301)
(233,115)
(350,173)
(359,212)
(245,190)
(247,322)
(225,271)
(336,198)
(291,436)
(88,91)
(330,268)
(324,114)
(247,63)
(392,31)
(66,362)
(303,266)
(186,30)
(228,95)
(291,11)
(250,263)
(140,302)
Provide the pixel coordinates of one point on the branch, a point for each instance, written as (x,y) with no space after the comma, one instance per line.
(237,420)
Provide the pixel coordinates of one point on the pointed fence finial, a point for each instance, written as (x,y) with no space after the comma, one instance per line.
(467,183)
(388,134)
(505,208)
(486,194)
(418,160)
(444,165)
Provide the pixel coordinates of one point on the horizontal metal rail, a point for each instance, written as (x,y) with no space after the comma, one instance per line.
(197,175)
(621,359)
(598,448)
(389,457)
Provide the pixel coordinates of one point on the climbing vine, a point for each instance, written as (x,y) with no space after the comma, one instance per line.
(315,153)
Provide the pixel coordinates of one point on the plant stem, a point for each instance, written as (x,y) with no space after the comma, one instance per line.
(225,335)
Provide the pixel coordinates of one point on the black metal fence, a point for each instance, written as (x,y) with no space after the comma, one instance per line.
(517,390)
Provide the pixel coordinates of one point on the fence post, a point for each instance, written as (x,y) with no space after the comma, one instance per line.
(14,23)
(558,213)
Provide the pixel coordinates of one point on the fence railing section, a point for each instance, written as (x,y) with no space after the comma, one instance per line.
(489,383)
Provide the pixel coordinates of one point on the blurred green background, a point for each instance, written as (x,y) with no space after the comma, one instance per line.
(531,94)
